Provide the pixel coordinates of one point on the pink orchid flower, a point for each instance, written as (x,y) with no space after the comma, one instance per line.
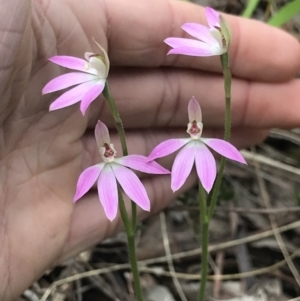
(91,80)
(214,40)
(194,149)
(113,171)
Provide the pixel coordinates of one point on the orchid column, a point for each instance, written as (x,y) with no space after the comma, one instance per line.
(212,40)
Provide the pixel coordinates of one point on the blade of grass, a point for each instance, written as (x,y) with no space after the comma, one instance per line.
(250,8)
(285,13)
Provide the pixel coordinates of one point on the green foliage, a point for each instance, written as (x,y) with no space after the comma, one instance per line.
(285,13)
(250,8)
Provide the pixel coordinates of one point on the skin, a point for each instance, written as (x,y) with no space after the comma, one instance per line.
(42,153)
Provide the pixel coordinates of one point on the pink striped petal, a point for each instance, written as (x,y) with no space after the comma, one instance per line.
(194,110)
(200,32)
(225,149)
(182,166)
(192,47)
(182,42)
(132,186)
(167,147)
(67,80)
(71,62)
(101,134)
(205,166)
(108,192)
(91,95)
(142,163)
(212,17)
(72,96)
(86,180)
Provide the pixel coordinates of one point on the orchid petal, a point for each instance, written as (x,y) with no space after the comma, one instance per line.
(193,51)
(182,42)
(200,32)
(86,180)
(97,64)
(132,186)
(71,62)
(167,147)
(218,36)
(101,134)
(225,149)
(206,166)
(106,59)
(142,163)
(225,30)
(192,47)
(212,17)
(108,192)
(182,166)
(72,96)
(67,80)
(91,95)
(194,110)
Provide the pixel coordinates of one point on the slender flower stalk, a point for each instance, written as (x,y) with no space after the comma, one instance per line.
(212,40)
(204,222)
(227,88)
(196,149)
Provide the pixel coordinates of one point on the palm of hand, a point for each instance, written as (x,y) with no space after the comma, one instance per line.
(41,156)
(43,153)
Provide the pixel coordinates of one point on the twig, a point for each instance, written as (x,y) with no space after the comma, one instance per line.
(224,245)
(160,272)
(284,134)
(282,210)
(179,255)
(273,222)
(269,162)
(165,238)
(295,299)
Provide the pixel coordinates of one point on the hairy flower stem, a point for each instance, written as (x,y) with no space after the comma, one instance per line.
(130,227)
(130,233)
(227,87)
(204,222)
(115,113)
(120,128)
(205,216)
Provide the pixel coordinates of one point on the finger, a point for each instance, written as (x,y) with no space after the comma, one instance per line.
(136,32)
(142,142)
(89,225)
(160,98)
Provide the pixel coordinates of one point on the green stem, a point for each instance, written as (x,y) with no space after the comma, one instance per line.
(204,241)
(123,212)
(120,128)
(130,233)
(115,113)
(227,87)
(129,228)
(134,267)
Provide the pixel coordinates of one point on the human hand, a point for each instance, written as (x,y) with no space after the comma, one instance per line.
(42,153)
